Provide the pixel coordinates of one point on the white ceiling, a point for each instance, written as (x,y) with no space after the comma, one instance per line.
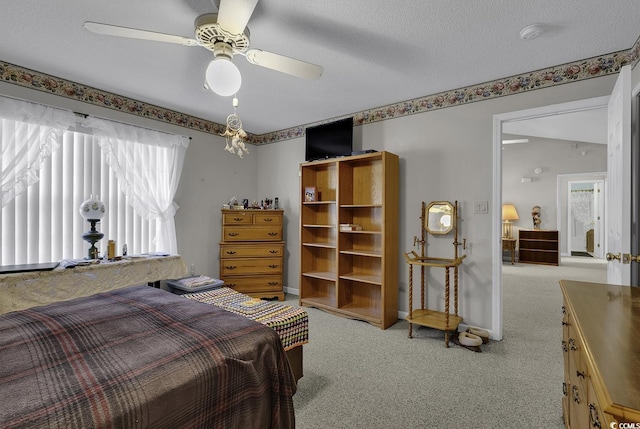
(589,126)
(373,52)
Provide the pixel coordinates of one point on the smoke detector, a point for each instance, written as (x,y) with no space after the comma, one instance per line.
(531,31)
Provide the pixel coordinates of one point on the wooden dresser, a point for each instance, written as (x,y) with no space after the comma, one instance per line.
(601,348)
(252,252)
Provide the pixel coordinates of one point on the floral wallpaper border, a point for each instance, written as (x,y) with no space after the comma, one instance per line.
(544,78)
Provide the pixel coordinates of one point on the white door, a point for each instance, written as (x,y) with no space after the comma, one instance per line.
(618,195)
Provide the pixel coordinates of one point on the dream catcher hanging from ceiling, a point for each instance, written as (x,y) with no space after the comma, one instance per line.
(234,134)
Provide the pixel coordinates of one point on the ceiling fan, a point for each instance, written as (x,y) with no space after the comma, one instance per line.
(225,34)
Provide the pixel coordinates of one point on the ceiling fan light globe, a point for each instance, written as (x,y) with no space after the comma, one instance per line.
(223,77)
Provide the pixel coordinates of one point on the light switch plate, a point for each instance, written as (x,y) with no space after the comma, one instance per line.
(480,207)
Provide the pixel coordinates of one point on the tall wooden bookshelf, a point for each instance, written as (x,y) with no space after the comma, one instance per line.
(351,270)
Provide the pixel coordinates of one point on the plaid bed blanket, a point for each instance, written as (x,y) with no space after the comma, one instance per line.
(291,323)
(140,357)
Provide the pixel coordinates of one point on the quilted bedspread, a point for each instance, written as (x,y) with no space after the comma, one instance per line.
(140,357)
(291,323)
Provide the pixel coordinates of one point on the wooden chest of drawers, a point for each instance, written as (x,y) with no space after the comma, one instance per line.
(600,341)
(252,252)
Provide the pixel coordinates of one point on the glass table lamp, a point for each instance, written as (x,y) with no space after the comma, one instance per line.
(92,210)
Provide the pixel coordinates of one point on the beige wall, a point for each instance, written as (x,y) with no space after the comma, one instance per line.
(557,158)
(444,155)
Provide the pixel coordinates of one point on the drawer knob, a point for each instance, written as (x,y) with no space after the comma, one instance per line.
(273,266)
(273,283)
(273,234)
(565,323)
(230,267)
(273,251)
(268,219)
(576,396)
(593,416)
(231,252)
(233,234)
(564,389)
(231,285)
(564,310)
(564,346)
(572,344)
(580,373)
(238,219)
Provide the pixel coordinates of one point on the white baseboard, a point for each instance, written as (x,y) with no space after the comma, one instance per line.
(292,291)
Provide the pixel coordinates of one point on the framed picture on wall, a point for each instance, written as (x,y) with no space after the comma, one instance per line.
(310,194)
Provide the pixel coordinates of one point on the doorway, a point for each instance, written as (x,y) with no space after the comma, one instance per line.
(498,122)
(585,218)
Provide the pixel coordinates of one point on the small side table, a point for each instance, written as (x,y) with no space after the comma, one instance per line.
(510,245)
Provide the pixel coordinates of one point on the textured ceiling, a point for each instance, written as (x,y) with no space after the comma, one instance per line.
(589,126)
(374,53)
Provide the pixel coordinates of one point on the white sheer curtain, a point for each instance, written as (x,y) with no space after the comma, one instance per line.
(48,168)
(29,133)
(147,165)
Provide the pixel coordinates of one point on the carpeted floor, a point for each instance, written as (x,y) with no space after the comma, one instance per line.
(358,376)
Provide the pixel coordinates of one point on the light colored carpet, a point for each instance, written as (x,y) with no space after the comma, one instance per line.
(358,376)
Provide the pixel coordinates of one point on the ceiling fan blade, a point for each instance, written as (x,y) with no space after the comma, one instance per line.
(233,15)
(283,64)
(132,33)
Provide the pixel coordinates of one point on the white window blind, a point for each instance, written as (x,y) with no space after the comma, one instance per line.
(43,224)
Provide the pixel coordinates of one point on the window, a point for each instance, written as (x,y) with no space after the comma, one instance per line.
(132,170)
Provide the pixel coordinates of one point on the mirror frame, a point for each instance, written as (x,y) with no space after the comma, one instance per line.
(427,218)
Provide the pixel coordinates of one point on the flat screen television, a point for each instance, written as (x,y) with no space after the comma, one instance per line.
(329,140)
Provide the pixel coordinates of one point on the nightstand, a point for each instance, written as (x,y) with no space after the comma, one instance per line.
(510,245)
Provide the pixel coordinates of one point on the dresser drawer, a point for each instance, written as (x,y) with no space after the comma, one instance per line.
(566,323)
(577,366)
(251,251)
(597,418)
(239,218)
(254,233)
(254,284)
(253,266)
(267,219)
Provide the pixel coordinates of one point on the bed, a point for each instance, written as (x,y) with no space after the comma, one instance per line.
(290,323)
(140,357)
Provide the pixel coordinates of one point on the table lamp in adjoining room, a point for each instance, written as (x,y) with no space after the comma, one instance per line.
(92,210)
(509,213)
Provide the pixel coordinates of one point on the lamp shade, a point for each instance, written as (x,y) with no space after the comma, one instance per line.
(92,208)
(223,77)
(509,212)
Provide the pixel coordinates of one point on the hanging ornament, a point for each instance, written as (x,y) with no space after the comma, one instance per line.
(234,134)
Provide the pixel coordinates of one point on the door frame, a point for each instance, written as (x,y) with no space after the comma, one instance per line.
(635,182)
(496,244)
